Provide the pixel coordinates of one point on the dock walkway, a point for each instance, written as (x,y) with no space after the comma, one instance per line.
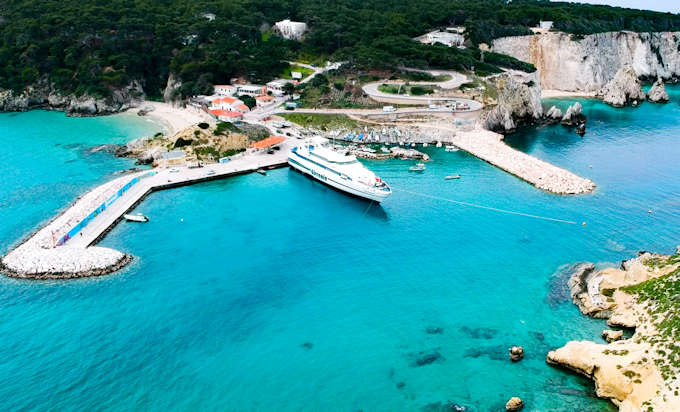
(64,247)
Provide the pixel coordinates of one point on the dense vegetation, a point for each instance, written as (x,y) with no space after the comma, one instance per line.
(95,46)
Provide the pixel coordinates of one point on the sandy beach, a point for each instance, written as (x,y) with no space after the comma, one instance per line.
(548,93)
(173,119)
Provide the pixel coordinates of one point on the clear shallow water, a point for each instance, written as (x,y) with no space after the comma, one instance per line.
(278,293)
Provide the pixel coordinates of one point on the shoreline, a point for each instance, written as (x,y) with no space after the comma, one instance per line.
(635,373)
(172,119)
(552,93)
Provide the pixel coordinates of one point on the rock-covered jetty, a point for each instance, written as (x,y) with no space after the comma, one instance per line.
(643,371)
(489,147)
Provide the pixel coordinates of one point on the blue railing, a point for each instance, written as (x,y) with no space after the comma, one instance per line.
(102,207)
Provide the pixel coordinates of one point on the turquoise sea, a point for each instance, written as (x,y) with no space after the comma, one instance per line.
(273,292)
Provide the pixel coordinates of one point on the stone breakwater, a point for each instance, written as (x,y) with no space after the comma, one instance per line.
(640,372)
(39,257)
(489,147)
(43,257)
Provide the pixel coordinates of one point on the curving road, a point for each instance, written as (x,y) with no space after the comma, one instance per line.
(371,89)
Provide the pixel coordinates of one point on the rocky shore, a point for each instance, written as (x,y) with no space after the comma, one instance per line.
(641,372)
(44,95)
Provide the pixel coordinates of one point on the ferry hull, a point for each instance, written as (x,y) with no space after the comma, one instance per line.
(302,165)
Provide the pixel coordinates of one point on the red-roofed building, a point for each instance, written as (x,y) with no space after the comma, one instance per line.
(263,100)
(267,143)
(226,115)
(242,108)
(226,103)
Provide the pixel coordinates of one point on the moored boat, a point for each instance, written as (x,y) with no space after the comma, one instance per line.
(340,170)
(136,218)
(419,167)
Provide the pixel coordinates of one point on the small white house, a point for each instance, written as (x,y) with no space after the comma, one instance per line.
(296,75)
(291,30)
(545,25)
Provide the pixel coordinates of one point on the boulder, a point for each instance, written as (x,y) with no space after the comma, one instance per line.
(554,115)
(612,335)
(581,129)
(657,93)
(499,119)
(574,115)
(516,353)
(514,404)
(625,87)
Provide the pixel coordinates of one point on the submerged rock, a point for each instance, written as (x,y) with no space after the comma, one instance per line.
(658,93)
(625,87)
(514,404)
(444,407)
(479,333)
(433,330)
(428,359)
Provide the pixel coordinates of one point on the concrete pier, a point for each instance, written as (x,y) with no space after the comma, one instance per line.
(64,248)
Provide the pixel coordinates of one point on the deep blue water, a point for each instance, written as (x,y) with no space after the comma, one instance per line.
(277,293)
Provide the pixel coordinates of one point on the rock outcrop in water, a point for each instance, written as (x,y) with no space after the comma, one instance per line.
(43,94)
(565,62)
(574,115)
(553,115)
(639,373)
(657,93)
(519,101)
(624,88)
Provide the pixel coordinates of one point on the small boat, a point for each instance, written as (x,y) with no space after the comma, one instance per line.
(385,149)
(136,218)
(451,177)
(368,150)
(451,149)
(420,167)
(262,172)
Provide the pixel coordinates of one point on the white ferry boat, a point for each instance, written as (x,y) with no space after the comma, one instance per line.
(339,170)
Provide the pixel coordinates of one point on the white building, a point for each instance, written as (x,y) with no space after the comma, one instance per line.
(292,30)
(250,90)
(545,25)
(442,37)
(276,87)
(224,89)
(296,75)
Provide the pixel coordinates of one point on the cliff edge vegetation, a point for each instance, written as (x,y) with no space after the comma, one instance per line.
(642,372)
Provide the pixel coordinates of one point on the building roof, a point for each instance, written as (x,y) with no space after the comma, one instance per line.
(175,154)
(225,113)
(265,98)
(228,100)
(243,107)
(224,86)
(268,142)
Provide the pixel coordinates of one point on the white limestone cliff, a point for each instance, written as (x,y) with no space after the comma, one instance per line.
(565,62)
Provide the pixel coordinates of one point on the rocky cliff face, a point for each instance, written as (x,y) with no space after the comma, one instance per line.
(172,93)
(43,95)
(519,101)
(567,63)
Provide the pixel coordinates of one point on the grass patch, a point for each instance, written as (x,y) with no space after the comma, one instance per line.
(321,121)
(286,74)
